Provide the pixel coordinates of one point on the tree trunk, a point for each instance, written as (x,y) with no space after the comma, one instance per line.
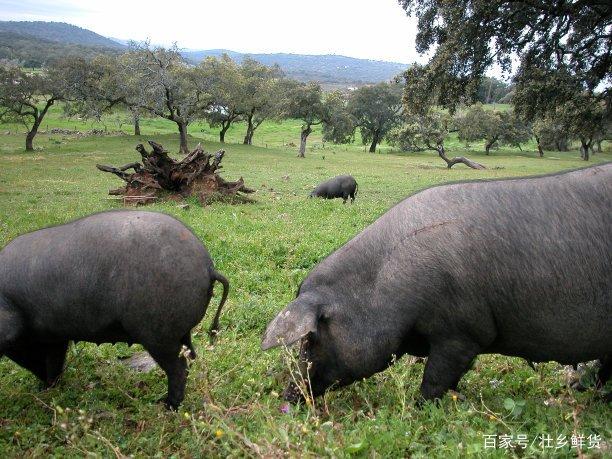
(489,144)
(38,118)
(375,140)
(584,148)
(599,146)
(224,127)
(561,144)
(540,149)
(248,138)
(303,137)
(457,159)
(182,127)
(30,139)
(136,120)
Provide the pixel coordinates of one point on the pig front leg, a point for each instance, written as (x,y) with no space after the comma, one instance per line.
(31,357)
(447,363)
(44,360)
(54,362)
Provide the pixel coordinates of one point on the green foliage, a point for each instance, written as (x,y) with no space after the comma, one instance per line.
(227,90)
(26,97)
(551,134)
(492,90)
(495,127)
(376,110)
(339,127)
(422,132)
(305,102)
(263,96)
(470,35)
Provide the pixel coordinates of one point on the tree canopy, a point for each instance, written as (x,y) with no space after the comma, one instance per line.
(163,84)
(471,35)
(27,97)
(376,110)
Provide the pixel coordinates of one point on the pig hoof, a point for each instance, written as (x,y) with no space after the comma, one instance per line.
(293,395)
(171,405)
(578,386)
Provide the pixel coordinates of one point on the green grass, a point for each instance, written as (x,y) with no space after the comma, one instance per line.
(265,249)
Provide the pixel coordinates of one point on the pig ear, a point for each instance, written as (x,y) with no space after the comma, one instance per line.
(292,323)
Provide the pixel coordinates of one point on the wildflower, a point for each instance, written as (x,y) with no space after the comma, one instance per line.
(218,433)
(284,408)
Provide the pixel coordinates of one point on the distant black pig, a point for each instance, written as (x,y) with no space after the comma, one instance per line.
(341,186)
(520,267)
(120,276)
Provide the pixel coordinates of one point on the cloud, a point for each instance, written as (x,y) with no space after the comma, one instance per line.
(41,10)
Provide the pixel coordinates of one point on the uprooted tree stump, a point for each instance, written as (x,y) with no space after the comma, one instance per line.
(159,176)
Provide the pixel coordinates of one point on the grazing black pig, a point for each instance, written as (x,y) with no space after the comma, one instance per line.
(341,186)
(520,267)
(120,276)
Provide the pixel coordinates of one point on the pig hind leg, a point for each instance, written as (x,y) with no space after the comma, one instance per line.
(169,357)
(447,363)
(186,341)
(11,325)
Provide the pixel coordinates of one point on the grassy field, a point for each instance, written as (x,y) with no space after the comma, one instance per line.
(232,407)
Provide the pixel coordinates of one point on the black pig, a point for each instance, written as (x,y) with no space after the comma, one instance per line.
(341,186)
(119,276)
(520,267)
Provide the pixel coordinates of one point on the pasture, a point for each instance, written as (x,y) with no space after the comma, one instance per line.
(232,406)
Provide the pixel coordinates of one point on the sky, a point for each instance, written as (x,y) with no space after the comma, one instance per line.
(370,29)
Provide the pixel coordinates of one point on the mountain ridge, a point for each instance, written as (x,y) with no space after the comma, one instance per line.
(36,43)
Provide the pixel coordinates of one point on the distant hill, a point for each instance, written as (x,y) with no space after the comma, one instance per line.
(328,68)
(37,43)
(59,32)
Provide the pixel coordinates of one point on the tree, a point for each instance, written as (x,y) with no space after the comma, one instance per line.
(544,93)
(162,84)
(585,121)
(550,134)
(428,131)
(93,87)
(425,126)
(491,90)
(376,110)
(228,86)
(470,35)
(27,97)
(262,96)
(339,127)
(495,127)
(306,102)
